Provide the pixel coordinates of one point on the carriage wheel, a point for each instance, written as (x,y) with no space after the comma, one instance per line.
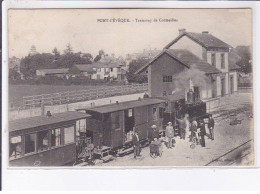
(153,155)
(192,146)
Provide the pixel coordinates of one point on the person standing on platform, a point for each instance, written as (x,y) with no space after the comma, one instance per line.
(187,124)
(202,134)
(194,128)
(211,126)
(136,143)
(169,134)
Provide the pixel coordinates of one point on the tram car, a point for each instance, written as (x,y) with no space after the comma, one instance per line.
(116,122)
(44,140)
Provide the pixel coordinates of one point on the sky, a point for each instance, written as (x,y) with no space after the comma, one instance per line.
(49,28)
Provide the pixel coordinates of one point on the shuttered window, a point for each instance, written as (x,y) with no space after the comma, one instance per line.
(167,78)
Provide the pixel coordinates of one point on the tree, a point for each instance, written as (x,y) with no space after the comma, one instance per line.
(13,74)
(99,56)
(68,49)
(30,64)
(246,58)
(133,67)
(70,59)
(56,54)
(87,56)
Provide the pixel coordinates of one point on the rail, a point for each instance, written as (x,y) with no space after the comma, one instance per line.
(83,95)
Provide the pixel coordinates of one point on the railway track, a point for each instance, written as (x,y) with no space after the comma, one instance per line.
(234,156)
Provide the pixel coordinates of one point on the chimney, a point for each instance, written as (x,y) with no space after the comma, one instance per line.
(205,32)
(182,30)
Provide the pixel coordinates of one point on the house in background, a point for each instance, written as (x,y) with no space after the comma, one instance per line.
(86,70)
(52,72)
(98,71)
(201,51)
(107,68)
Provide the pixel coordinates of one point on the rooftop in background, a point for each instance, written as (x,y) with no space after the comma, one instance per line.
(32,122)
(205,39)
(54,71)
(123,105)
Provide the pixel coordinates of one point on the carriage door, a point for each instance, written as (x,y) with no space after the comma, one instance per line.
(231,84)
(129,122)
(117,136)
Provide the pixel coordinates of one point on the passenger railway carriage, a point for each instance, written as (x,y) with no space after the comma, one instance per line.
(116,121)
(44,140)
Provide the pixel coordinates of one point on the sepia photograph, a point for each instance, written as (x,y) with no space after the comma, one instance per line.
(98,88)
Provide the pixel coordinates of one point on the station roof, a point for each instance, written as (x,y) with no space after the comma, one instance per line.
(32,122)
(124,105)
(204,39)
(186,58)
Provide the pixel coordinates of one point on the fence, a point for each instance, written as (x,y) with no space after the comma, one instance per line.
(83,95)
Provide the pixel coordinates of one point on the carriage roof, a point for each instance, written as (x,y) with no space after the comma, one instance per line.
(123,105)
(32,122)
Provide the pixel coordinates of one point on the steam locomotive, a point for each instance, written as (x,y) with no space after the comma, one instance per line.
(177,105)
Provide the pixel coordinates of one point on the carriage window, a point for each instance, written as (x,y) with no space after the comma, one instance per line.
(30,143)
(55,137)
(69,135)
(154,113)
(81,125)
(130,112)
(43,140)
(15,148)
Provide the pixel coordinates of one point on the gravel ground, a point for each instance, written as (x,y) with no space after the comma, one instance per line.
(227,137)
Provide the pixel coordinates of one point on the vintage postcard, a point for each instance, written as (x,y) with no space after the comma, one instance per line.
(130,88)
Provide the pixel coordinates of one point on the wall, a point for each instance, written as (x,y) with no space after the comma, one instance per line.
(164,65)
(234,74)
(218,86)
(52,157)
(227,83)
(187,43)
(18,114)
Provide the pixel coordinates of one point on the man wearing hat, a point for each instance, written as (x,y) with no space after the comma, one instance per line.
(136,143)
(154,133)
(211,126)
(169,134)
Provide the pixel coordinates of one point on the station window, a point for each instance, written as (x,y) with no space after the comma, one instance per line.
(213,59)
(154,113)
(55,137)
(69,135)
(167,78)
(222,61)
(30,143)
(15,148)
(43,140)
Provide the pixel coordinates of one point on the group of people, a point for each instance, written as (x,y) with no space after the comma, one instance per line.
(154,135)
(197,130)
